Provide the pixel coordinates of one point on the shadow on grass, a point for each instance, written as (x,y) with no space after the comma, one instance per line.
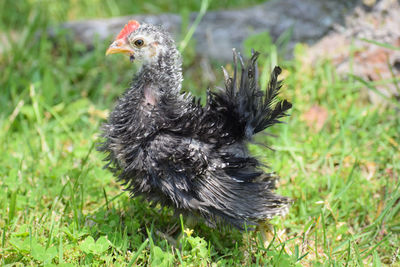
(129,222)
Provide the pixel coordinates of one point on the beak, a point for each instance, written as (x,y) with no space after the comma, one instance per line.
(119,46)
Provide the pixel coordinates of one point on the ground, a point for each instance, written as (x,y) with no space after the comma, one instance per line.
(338,156)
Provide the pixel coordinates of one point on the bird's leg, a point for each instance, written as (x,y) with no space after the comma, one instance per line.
(173,229)
(190,223)
(268,234)
(167,237)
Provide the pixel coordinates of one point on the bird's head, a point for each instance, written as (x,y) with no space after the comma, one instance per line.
(142,42)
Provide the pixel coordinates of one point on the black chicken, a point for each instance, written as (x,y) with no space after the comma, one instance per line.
(169,148)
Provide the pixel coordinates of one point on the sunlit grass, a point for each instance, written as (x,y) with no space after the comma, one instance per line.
(59,206)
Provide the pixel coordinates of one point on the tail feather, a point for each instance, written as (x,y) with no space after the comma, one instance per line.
(243,101)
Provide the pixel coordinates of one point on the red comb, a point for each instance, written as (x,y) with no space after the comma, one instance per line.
(130,27)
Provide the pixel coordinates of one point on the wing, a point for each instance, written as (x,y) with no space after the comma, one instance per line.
(215,183)
(171,164)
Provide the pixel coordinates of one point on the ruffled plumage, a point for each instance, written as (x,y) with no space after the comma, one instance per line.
(193,157)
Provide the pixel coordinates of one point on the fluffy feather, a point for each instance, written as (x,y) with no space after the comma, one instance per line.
(193,157)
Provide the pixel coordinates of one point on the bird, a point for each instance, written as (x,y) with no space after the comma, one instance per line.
(163,144)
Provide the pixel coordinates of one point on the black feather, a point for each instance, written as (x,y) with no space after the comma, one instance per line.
(193,157)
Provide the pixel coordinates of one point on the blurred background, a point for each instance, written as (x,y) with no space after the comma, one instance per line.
(337,154)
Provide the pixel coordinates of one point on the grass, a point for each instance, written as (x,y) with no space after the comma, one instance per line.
(59,206)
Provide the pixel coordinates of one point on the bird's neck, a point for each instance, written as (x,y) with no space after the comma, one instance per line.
(161,77)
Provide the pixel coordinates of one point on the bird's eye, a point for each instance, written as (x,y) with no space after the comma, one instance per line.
(139,42)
